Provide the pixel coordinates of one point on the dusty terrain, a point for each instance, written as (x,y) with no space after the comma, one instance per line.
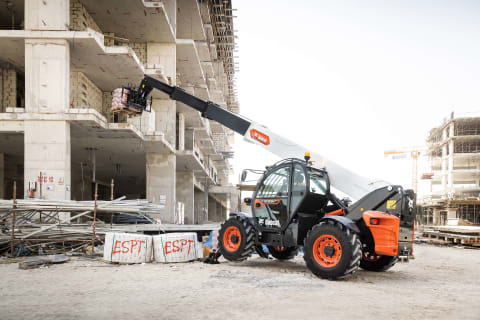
(441,283)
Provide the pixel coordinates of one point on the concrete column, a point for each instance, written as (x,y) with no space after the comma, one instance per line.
(436,217)
(47,15)
(189,139)
(47,150)
(199,206)
(2,176)
(451,148)
(164,55)
(47,86)
(181,132)
(161,183)
(220,213)
(212,209)
(47,75)
(452,219)
(185,194)
(165,119)
(444,161)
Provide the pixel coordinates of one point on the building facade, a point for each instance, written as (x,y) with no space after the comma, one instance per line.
(454,155)
(60,61)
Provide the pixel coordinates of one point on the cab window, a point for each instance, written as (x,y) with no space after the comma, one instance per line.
(318,182)
(275,185)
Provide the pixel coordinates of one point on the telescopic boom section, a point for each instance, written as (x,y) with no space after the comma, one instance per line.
(341,178)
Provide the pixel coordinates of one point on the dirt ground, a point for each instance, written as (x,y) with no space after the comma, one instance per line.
(441,283)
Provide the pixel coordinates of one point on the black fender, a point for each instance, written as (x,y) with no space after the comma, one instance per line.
(348,223)
(243,215)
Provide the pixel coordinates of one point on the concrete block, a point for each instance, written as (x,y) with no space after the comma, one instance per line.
(127,248)
(176,247)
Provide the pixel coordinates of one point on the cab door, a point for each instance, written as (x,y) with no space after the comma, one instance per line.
(271,201)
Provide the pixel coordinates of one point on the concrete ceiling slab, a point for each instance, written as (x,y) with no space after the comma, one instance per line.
(107,67)
(189,20)
(188,63)
(186,161)
(111,149)
(136,20)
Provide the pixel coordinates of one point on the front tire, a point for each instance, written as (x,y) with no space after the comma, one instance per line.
(283,253)
(332,251)
(236,239)
(373,262)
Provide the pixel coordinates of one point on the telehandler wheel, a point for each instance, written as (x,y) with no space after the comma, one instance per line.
(332,251)
(373,262)
(283,253)
(236,239)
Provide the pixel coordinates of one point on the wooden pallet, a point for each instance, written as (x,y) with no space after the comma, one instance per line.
(452,238)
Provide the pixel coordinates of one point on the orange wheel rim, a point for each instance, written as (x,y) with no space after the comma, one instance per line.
(327,251)
(232,239)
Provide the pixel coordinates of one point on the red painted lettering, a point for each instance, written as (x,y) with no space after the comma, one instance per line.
(134,244)
(167,245)
(175,246)
(115,249)
(189,245)
(124,248)
(141,245)
(184,243)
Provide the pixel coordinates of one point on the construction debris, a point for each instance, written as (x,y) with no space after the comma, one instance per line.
(41,261)
(52,227)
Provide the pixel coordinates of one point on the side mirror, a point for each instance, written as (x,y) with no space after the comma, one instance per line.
(248,201)
(244,175)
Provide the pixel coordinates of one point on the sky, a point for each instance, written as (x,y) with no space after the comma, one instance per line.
(351,79)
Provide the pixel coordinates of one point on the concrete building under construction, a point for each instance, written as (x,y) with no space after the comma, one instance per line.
(454,155)
(60,61)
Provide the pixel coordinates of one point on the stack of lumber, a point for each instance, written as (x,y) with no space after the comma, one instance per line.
(463,235)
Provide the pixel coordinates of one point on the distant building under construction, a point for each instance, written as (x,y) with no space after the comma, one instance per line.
(454,156)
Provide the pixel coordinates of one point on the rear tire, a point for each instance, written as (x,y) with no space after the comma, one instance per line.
(372,262)
(236,239)
(332,251)
(283,253)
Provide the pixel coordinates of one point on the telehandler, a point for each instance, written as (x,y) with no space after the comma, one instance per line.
(293,207)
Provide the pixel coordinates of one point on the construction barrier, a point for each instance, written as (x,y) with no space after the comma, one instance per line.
(176,247)
(127,248)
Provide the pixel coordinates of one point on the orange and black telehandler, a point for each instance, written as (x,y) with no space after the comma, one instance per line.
(293,206)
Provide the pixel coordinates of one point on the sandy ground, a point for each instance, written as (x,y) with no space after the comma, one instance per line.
(441,283)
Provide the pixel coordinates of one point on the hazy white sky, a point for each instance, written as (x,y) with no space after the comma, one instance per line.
(350,79)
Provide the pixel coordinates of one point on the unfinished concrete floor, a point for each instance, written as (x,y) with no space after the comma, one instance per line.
(442,283)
